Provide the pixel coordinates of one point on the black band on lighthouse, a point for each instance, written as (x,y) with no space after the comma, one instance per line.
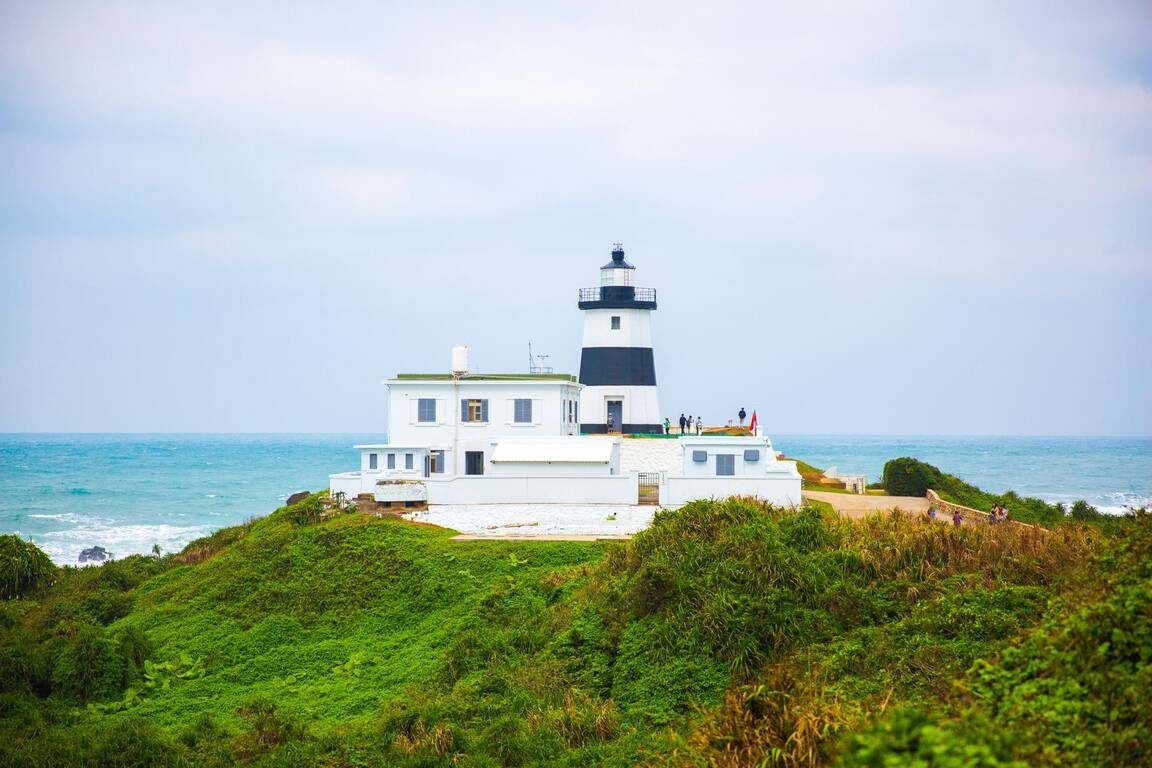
(617,366)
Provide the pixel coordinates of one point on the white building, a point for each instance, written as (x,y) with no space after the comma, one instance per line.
(459,438)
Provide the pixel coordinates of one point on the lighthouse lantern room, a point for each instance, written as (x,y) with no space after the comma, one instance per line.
(617,365)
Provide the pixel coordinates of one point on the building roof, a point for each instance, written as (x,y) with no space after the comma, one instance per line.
(618,259)
(572,450)
(488,377)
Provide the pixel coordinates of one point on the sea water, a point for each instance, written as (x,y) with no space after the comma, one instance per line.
(128,493)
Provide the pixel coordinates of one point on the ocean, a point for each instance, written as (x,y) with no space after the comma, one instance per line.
(129,492)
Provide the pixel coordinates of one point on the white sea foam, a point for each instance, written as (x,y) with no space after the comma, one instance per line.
(121,540)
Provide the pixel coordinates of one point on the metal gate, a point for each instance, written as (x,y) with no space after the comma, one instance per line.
(649,488)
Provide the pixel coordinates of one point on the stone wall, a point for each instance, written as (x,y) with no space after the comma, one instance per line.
(651,455)
(969,515)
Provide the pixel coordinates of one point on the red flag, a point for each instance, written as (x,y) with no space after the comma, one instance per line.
(752,426)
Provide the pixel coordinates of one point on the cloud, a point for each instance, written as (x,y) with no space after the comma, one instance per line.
(891,148)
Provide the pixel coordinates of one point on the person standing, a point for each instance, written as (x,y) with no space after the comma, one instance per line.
(957,518)
(699,424)
(683,423)
(667,426)
(743,415)
(932,513)
(689,425)
(611,423)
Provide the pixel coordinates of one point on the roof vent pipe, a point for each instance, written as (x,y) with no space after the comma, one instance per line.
(459,361)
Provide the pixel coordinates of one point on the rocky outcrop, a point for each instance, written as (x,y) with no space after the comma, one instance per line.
(297,497)
(95,555)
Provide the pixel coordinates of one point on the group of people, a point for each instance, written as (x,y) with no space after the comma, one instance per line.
(687,424)
(998,515)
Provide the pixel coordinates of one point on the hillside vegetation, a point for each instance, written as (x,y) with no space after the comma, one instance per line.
(912,477)
(730,633)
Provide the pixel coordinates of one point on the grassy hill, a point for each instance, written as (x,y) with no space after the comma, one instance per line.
(730,633)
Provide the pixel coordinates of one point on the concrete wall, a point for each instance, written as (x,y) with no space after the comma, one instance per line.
(534,490)
(558,470)
(348,483)
(780,490)
(733,446)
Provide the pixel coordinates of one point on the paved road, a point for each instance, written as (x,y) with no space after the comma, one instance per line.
(855,505)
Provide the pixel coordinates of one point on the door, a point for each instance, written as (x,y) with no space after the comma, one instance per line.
(616,415)
(649,492)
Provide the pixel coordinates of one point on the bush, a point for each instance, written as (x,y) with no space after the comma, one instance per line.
(270,728)
(1084,511)
(910,477)
(24,568)
(305,512)
(91,664)
(909,738)
(135,743)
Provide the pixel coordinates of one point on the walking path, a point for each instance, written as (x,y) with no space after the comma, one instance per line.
(856,505)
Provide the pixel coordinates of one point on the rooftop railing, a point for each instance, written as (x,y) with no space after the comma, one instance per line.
(618,293)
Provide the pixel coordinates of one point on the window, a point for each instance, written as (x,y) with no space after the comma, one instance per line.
(434,463)
(571,411)
(391,461)
(372,461)
(474,411)
(725,464)
(699,456)
(577,411)
(615,322)
(522,408)
(752,455)
(426,410)
(407,461)
(473,462)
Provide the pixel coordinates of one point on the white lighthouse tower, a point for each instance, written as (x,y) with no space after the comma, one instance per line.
(616,365)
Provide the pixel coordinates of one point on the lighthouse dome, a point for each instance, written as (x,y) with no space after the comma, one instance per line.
(618,259)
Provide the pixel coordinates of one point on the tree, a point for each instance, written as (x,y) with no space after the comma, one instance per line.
(24,568)
(910,477)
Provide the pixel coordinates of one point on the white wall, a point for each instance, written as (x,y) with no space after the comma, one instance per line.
(348,483)
(635,328)
(534,490)
(550,414)
(779,490)
(641,405)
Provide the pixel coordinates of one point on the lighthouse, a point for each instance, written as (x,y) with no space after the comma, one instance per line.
(617,367)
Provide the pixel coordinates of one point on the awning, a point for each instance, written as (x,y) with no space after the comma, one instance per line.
(573,451)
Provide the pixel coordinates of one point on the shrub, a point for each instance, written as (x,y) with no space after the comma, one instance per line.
(909,738)
(24,568)
(270,727)
(910,477)
(305,512)
(91,665)
(1082,510)
(136,743)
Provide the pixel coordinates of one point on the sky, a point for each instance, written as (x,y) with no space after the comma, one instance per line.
(860,218)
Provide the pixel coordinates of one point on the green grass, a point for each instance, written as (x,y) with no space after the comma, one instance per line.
(728,633)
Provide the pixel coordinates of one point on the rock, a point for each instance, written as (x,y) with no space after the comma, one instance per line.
(95,554)
(297,497)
